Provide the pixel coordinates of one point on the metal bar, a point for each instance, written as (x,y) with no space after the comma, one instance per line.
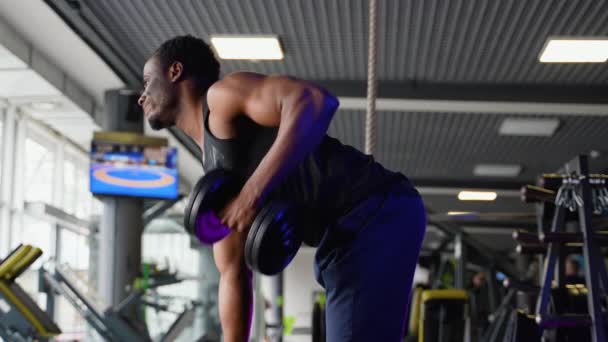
(183,321)
(132,298)
(552,181)
(507,299)
(533,193)
(442,246)
(549,268)
(562,176)
(461,261)
(542,249)
(57,215)
(524,286)
(89,315)
(62,278)
(494,220)
(11,253)
(564,237)
(496,327)
(9,335)
(541,211)
(497,317)
(503,316)
(554,94)
(492,289)
(158,209)
(498,224)
(525,237)
(500,263)
(564,321)
(434,186)
(466,107)
(594,264)
(439,273)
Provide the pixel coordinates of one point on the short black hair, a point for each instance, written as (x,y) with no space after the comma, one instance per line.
(197,58)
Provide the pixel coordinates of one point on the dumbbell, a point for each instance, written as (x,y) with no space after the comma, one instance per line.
(275,234)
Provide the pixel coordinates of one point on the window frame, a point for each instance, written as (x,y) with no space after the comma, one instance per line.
(43,137)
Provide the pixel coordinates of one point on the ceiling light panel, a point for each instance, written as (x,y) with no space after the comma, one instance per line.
(497,170)
(247,47)
(575,50)
(529,127)
(477,196)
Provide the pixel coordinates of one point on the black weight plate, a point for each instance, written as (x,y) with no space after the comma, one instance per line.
(213,192)
(252,232)
(205,183)
(262,228)
(250,242)
(282,236)
(188,222)
(271,253)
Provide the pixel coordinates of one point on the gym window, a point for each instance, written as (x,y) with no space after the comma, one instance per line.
(77,199)
(1,148)
(39,166)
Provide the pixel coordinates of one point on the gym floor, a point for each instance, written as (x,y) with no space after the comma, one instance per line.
(475,100)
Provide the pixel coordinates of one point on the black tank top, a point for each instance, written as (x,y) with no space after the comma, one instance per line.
(330,181)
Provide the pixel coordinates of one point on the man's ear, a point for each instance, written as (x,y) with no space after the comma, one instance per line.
(175,71)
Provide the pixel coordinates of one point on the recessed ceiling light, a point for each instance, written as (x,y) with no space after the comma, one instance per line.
(497,170)
(460,213)
(529,127)
(251,47)
(477,196)
(575,50)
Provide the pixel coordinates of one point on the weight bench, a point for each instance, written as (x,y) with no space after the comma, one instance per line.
(443,315)
(21,319)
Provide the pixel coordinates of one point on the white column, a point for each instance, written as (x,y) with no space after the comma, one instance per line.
(12,148)
(6,153)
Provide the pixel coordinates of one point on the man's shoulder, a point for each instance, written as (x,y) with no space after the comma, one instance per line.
(233,86)
(226,96)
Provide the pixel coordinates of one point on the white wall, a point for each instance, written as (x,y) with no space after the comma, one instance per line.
(299,284)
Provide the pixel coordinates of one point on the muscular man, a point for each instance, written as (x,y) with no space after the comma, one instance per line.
(271,130)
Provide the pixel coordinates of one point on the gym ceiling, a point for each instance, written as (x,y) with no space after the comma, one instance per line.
(455,70)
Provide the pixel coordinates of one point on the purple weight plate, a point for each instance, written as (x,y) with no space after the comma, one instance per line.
(209,229)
